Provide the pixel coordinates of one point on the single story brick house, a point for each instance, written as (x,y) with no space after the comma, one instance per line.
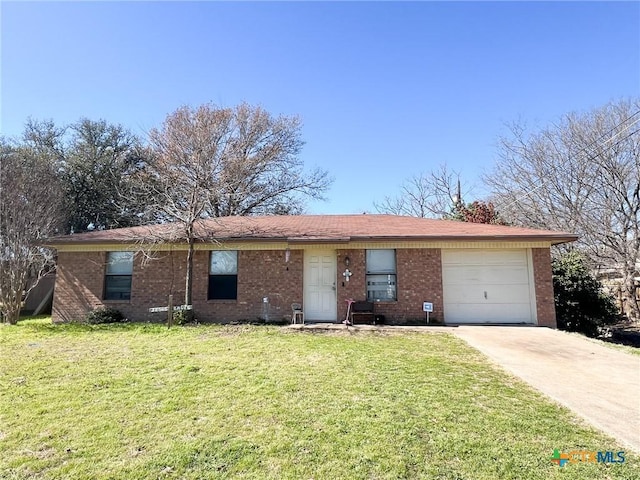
(245,268)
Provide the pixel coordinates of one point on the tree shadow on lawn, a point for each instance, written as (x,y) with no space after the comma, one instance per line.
(624,333)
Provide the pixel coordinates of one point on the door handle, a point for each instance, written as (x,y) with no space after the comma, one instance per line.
(485,294)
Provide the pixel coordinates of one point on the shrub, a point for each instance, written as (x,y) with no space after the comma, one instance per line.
(105,315)
(581,306)
(182,317)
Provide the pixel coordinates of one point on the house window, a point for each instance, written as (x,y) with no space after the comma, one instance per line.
(381,275)
(117,278)
(223,275)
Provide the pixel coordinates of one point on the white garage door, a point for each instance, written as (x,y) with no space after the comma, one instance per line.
(487,286)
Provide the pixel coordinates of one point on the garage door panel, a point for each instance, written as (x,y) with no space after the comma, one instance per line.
(512,294)
(485,275)
(462,257)
(488,313)
(484,257)
(505,257)
(504,294)
(463,275)
(463,294)
(503,275)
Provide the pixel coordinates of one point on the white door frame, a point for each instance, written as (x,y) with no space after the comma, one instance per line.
(319,286)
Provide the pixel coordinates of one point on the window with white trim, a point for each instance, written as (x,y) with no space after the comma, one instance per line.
(381,275)
(223,275)
(117,278)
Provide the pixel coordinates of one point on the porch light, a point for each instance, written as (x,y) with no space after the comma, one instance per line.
(347,261)
(287,255)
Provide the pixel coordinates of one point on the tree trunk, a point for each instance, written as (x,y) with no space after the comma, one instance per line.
(11,313)
(188,287)
(629,301)
(13,276)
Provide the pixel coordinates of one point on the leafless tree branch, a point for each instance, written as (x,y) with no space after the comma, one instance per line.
(31,202)
(581,175)
(431,194)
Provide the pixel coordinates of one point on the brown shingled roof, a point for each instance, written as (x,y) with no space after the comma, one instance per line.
(319,228)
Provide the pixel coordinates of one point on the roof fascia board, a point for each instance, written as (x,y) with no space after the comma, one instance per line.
(404,244)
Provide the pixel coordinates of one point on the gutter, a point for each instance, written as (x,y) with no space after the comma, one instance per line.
(555,240)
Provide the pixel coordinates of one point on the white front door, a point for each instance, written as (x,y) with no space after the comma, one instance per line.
(488,286)
(320,270)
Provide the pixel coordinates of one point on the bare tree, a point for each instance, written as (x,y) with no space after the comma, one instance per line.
(210,162)
(426,195)
(31,202)
(581,175)
(261,170)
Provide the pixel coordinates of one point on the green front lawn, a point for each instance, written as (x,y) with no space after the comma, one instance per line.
(140,401)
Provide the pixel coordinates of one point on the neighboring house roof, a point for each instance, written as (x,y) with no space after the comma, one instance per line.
(318,229)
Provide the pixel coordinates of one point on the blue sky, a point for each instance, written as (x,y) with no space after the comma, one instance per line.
(384,90)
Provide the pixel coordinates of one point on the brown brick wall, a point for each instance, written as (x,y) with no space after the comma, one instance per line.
(543,280)
(154,279)
(80,283)
(355,288)
(419,279)
(261,273)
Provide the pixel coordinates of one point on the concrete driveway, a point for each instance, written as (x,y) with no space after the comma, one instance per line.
(600,384)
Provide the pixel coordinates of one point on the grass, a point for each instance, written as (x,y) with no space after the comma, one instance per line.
(140,401)
(623,348)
